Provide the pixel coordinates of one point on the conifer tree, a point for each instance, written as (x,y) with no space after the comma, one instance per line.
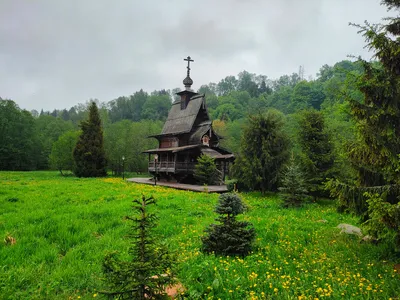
(375,154)
(229,237)
(293,185)
(318,158)
(206,171)
(148,272)
(89,152)
(263,152)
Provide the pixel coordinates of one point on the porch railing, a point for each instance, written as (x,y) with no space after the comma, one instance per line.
(172,167)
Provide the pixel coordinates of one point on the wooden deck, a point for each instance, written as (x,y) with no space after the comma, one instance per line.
(181,186)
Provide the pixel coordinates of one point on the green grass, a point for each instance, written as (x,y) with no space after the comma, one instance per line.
(63,227)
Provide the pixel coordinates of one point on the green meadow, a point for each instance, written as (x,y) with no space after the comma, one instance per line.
(56,230)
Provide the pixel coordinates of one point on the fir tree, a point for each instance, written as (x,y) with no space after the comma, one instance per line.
(206,171)
(230,237)
(148,272)
(263,152)
(318,158)
(375,154)
(293,185)
(89,152)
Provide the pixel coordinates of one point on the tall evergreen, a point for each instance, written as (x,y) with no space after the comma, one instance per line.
(317,150)
(89,152)
(376,153)
(263,152)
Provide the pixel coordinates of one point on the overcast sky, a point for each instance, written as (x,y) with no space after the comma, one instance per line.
(58,53)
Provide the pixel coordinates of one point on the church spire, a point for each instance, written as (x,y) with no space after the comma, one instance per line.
(187,82)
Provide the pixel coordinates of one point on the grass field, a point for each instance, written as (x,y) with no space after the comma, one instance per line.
(63,227)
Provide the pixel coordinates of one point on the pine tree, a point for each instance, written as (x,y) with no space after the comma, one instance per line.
(263,152)
(230,237)
(293,185)
(318,158)
(148,272)
(89,152)
(206,171)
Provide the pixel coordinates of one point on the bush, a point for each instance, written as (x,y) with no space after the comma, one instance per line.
(384,219)
(231,185)
(230,237)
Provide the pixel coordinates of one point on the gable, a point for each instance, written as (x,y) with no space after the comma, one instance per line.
(182,120)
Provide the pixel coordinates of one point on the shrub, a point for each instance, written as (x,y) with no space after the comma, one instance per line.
(231,185)
(230,237)
(384,219)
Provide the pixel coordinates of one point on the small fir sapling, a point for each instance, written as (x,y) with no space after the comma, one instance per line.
(230,236)
(206,171)
(293,185)
(148,272)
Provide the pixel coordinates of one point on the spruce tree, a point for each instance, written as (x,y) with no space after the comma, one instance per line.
(206,171)
(89,152)
(229,237)
(375,153)
(294,187)
(148,272)
(263,152)
(317,150)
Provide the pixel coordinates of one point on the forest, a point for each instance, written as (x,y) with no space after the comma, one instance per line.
(29,138)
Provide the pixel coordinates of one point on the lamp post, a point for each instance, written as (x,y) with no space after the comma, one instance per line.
(155,165)
(123,167)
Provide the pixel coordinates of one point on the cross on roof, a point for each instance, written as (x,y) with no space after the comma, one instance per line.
(188,59)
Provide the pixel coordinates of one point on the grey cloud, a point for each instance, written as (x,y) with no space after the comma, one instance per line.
(55,54)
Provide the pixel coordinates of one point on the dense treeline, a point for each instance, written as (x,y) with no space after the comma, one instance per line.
(27,138)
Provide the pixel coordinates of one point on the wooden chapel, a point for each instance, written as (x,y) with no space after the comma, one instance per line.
(187,134)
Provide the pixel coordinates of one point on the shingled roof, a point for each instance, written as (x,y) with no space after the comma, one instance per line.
(199,131)
(182,120)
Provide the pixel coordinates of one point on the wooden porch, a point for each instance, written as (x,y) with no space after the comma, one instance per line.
(171,167)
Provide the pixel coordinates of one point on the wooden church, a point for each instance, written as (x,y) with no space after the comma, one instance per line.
(187,134)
